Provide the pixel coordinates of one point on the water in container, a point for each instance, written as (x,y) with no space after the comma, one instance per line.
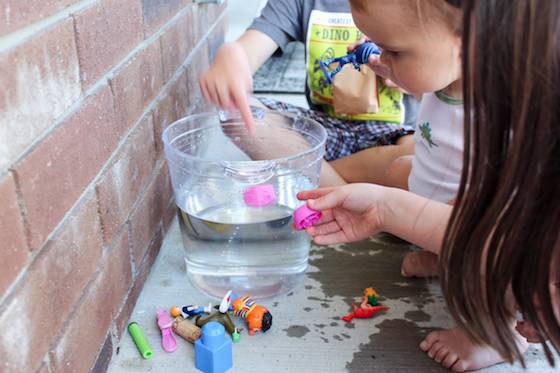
(230,244)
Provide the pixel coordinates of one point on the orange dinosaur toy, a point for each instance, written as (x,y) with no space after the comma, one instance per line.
(257,316)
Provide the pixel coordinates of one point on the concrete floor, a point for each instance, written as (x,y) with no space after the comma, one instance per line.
(307,334)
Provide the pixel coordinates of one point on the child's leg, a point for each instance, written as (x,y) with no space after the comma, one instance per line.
(377,165)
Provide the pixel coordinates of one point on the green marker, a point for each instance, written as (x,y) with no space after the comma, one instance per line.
(140,340)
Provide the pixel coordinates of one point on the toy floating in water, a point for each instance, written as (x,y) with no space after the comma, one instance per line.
(357,58)
(257,316)
(259,195)
(305,217)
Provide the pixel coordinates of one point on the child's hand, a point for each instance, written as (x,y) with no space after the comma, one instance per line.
(350,212)
(229,82)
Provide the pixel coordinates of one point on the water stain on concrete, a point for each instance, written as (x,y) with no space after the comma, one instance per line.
(320,326)
(307,309)
(337,337)
(308,287)
(395,348)
(396,345)
(296,331)
(325,339)
(382,272)
(334,323)
(166,283)
(417,316)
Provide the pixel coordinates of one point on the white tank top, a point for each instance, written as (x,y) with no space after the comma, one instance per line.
(438,156)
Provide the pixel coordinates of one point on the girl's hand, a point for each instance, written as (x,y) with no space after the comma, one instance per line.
(350,213)
(229,82)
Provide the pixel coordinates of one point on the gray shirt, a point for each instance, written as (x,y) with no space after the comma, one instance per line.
(288,20)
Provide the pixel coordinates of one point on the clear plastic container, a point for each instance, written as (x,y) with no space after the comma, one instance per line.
(230,243)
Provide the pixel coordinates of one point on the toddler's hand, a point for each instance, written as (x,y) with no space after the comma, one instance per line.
(359,42)
(229,82)
(350,212)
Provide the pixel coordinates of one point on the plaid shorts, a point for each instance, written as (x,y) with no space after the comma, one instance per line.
(346,137)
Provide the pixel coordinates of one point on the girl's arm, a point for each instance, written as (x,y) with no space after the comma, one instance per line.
(356,211)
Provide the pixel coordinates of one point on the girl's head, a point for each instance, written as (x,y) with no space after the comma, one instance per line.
(421,40)
(504,231)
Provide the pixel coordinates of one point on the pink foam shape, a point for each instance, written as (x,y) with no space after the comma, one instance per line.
(259,195)
(305,217)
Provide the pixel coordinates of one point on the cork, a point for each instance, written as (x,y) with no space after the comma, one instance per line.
(186,329)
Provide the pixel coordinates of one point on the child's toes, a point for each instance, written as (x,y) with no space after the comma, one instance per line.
(430,339)
(450,359)
(435,348)
(441,354)
(459,366)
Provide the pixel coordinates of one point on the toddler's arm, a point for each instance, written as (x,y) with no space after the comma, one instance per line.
(229,81)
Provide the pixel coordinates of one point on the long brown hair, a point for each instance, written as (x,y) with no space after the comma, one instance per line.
(504,231)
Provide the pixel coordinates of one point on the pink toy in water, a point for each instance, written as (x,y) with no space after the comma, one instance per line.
(305,217)
(259,195)
(165,324)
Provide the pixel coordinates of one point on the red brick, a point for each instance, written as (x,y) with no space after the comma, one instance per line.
(54,282)
(13,251)
(177,42)
(106,32)
(137,83)
(148,213)
(164,115)
(84,335)
(198,65)
(142,272)
(15,14)
(40,80)
(158,12)
(56,173)
(179,93)
(122,182)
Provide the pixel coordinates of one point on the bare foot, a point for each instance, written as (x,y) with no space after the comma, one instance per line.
(420,264)
(454,350)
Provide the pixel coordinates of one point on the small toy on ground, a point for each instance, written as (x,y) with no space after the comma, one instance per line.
(192,310)
(175,311)
(357,58)
(213,351)
(222,316)
(257,316)
(305,217)
(259,195)
(140,340)
(186,329)
(363,313)
(370,298)
(168,342)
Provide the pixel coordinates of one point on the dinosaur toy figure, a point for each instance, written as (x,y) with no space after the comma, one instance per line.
(357,58)
(363,313)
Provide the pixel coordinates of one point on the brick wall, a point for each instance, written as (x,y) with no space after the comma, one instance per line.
(86,89)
